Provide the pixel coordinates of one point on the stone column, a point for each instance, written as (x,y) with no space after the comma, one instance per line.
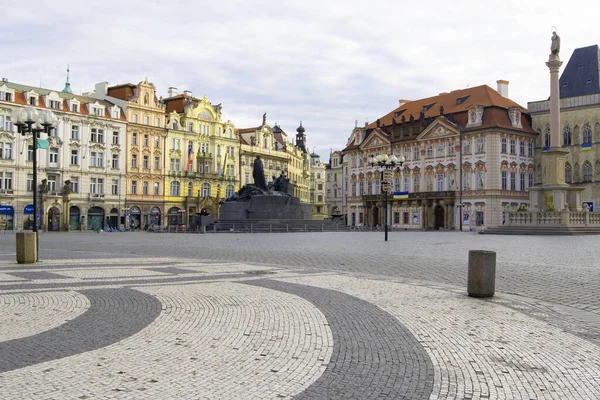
(554,64)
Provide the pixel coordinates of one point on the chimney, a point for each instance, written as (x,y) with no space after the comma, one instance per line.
(188,93)
(101,89)
(172,91)
(502,88)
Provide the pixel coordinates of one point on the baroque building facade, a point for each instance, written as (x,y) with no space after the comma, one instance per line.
(336,186)
(202,158)
(469,155)
(318,199)
(145,157)
(579,126)
(79,188)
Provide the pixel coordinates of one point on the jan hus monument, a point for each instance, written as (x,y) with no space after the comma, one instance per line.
(264,201)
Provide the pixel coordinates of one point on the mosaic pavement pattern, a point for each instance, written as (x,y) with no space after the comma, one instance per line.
(131,327)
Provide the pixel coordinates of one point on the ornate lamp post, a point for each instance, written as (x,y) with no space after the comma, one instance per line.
(30,120)
(386,162)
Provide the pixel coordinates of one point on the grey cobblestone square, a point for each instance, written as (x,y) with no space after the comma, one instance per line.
(311,316)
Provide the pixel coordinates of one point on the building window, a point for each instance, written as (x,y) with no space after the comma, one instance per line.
(146,141)
(114,187)
(174,188)
(205,190)
(530,149)
(513,181)
(522,148)
(115,138)
(156,162)
(568,173)
(29,153)
(522,182)
(52,183)
(75,132)
(451,149)
(75,108)
(429,152)
(466,180)
(53,154)
(587,134)
(134,139)
(190,189)
(146,162)
(504,180)
(157,121)
(416,153)
(416,183)
(531,181)
(74,157)
(115,161)
(567,136)
(145,188)
(133,187)
(513,149)
(439,186)
(6,180)
(547,136)
(29,182)
(146,120)
(441,151)
(135,118)
(134,163)
(191,126)
(156,188)
(370,187)
(97,135)
(75,184)
(503,145)
(587,172)
(157,142)
(6,151)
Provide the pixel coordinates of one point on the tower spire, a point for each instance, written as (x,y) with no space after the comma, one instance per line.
(67,88)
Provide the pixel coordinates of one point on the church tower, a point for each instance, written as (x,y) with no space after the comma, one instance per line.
(301,138)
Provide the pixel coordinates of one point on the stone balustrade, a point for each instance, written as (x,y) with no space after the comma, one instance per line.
(553,218)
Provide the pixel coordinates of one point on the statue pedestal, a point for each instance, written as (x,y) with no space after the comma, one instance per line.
(264,208)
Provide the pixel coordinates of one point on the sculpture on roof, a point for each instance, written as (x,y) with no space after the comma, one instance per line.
(264,119)
(555,47)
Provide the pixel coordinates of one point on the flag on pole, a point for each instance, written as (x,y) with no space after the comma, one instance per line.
(188,164)
(586,147)
(225,163)
(400,195)
(42,144)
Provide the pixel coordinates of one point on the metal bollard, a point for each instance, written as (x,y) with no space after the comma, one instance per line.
(481,281)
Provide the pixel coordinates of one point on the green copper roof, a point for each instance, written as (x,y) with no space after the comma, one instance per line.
(67,88)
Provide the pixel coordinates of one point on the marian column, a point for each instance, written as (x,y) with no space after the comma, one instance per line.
(554,64)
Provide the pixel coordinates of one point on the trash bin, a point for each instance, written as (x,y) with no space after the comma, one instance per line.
(26,249)
(481,281)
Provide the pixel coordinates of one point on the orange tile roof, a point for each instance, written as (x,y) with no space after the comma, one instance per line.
(123,92)
(480,95)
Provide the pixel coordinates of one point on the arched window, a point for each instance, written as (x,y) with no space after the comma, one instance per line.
(568,173)
(190,189)
(175,188)
(567,136)
(230,133)
(547,136)
(229,191)
(205,190)
(587,133)
(587,171)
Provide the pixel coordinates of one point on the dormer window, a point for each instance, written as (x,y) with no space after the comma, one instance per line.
(6,94)
(475,113)
(54,104)
(514,114)
(32,101)
(98,111)
(116,114)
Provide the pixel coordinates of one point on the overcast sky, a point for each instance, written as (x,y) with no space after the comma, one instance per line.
(325,63)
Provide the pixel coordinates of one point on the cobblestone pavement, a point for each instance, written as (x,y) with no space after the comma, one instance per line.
(306,316)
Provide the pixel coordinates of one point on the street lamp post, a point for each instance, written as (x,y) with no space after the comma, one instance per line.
(30,120)
(386,162)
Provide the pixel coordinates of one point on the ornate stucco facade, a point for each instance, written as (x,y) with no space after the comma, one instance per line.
(79,187)
(335,186)
(317,188)
(145,144)
(202,158)
(474,136)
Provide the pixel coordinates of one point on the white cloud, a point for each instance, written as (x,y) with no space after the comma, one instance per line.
(325,63)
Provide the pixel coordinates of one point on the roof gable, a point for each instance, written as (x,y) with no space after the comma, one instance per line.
(377,138)
(440,128)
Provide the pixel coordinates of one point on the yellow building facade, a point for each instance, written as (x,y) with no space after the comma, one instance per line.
(201,158)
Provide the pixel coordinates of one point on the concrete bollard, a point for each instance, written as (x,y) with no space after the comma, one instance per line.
(482,273)
(26,249)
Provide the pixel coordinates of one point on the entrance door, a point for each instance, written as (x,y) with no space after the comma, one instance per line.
(375,221)
(438,218)
(74,218)
(54,219)
(95,218)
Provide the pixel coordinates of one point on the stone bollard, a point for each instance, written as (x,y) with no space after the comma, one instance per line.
(482,273)
(26,249)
